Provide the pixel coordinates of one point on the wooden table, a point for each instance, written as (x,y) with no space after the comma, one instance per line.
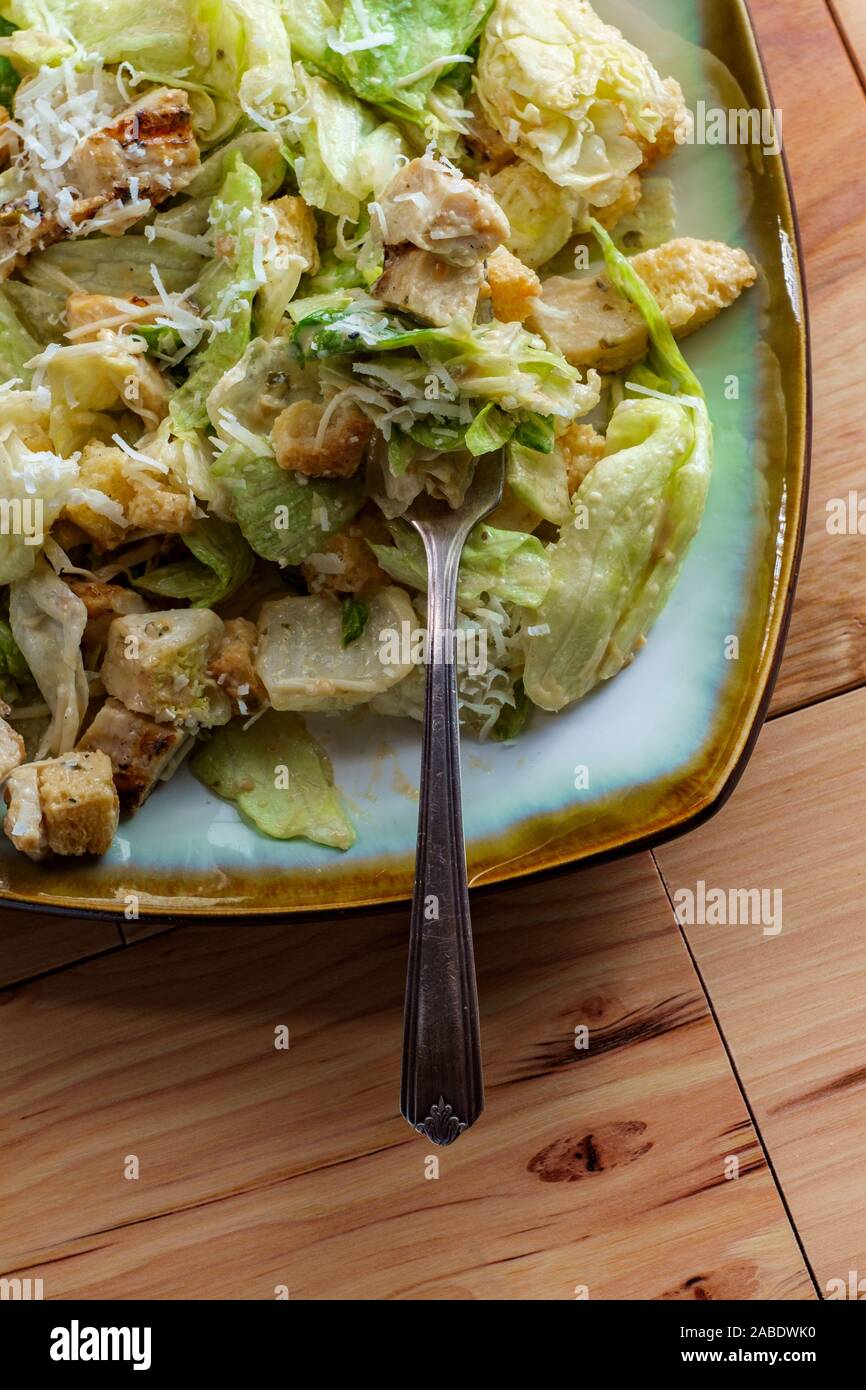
(155,1141)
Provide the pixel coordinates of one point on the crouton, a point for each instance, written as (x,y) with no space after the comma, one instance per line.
(149,502)
(155,664)
(138,748)
(23,823)
(295,230)
(12,750)
(513,286)
(336,454)
(440,211)
(346,564)
(592,325)
(233,668)
(428,287)
(581,446)
(79,804)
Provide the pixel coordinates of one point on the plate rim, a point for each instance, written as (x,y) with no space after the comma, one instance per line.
(559,851)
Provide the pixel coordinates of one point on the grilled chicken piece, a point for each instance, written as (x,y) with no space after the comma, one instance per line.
(592,325)
(442,212)
(138,748)
(337,454)
(12,750)
(233,666)
(428,287)
(485,143)
(151,141)
(67,805)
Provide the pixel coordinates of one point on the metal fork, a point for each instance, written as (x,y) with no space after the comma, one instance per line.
(442,1091)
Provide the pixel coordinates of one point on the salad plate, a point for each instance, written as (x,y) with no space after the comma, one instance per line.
(637,759)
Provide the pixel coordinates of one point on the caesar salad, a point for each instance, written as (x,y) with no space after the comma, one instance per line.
(271,270)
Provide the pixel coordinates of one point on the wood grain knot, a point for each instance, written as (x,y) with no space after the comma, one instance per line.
(609,1146)
(733,1282)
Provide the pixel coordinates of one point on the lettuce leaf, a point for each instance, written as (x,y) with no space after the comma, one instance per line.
(9,78)
(282,519)
(557,82)
(16,344)
(47,621)
(226,290)
(278,777)
(14,670)
(416,34)
(635,516)
(355,615)
(223,561)
(539,481)
(508,565)
(347,154)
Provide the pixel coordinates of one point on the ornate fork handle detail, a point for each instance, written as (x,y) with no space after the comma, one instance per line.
(442,1091)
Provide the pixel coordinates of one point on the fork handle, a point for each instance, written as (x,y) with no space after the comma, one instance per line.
(442,1092)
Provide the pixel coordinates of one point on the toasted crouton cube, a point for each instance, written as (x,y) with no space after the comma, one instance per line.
(295,231)
(233,666)
(592,325)
(582,447)
(138,748)
(80,807)
(346,564)
(149,502)
(23,824)
(428,287)
(11,748)
(513,286)
(295,437)
(155,664)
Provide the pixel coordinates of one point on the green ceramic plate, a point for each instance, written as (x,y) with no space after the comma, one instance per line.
(664,742)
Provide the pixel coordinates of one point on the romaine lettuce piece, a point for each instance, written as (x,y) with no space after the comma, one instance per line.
(348,154)
(355,615)
(282,519)
(508,565)
(47,621)
(14,670)
(555,81)
(9,78)
(490,429)
(539,481)
(16,344)
(226,290)
(540,213)
(278,777)
(512,720)
(222,562)
(394,51)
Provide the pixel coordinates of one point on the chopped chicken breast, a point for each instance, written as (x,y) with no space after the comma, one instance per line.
(149,149)
(138,747)
(23,824)
(428,287)
(442,212)
(592,325)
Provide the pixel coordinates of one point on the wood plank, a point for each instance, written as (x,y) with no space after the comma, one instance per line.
(33,942)
(259,1167)
(850,16)
(791,1005)
(824,130)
